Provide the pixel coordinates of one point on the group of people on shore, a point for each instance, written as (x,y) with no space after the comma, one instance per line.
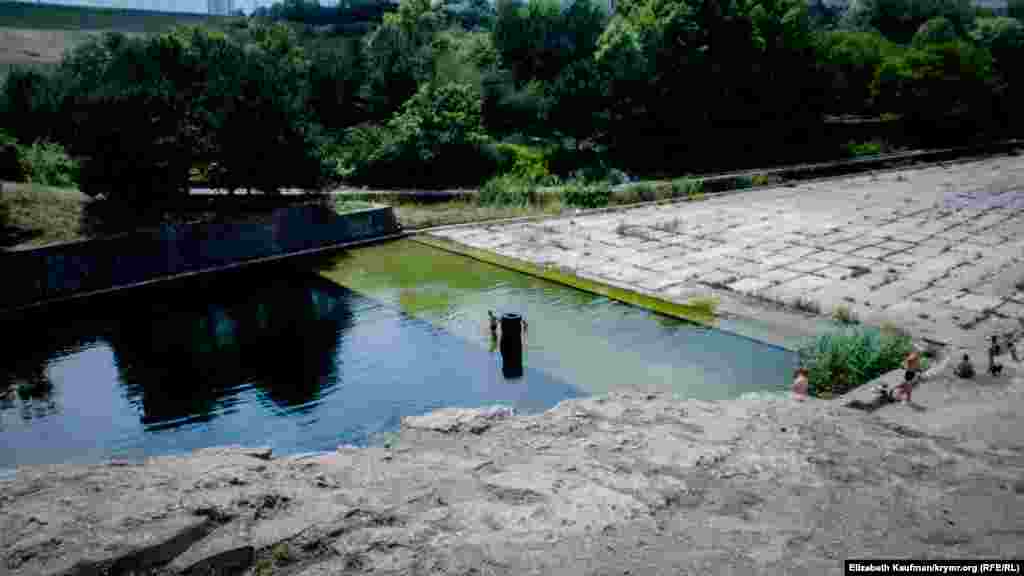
(912,371)
(911,366)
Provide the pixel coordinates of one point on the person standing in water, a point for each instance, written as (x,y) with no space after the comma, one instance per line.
(493,325)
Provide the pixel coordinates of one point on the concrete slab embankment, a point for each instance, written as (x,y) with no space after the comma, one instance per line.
(624,484)
(935,250)
(61,271)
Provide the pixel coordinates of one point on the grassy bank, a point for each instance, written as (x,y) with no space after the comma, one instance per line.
(34,215)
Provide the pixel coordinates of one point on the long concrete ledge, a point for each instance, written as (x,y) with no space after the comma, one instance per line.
(71,270)
(720,182)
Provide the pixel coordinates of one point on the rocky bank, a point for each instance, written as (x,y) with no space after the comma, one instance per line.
(626,484)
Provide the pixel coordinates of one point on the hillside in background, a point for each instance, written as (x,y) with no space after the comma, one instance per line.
(37,35)
(59,17)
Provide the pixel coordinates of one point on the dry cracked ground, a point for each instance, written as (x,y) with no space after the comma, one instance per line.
(628,484)
(937,250)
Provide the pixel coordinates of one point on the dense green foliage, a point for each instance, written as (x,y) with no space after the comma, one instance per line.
(1015,9)
(839,362)
(48,164)
(849,60)
(938,30)
(586,195)
(431,94)
(41,162)
(899,20)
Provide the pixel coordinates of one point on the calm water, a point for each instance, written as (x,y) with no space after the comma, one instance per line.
(304,361)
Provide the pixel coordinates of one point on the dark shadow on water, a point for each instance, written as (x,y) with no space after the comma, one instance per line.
(237,358)
(280,336)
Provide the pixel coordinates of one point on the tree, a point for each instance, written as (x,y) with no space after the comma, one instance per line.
(538,39)
(28,104)
(336,77)
(1004,38)
(712,68)
(942,89)
(899,20)
(849,60)
(937,30)
(399,56)
(1015,9)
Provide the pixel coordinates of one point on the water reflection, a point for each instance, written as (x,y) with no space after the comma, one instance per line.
(276,356)
(281,337)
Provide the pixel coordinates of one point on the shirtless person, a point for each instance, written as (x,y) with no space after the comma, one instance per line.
(912,365)
(800,384)
(965,369)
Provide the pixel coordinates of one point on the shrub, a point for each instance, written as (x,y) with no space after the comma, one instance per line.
(506,190)
(844,315)
(642,192)
(863,149)
(838,362)
(686,187)
(586,195)
(523,162)
(48,164)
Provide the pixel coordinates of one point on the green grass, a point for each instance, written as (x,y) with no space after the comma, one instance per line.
(342,205)
(415,215)
(34,215)
(843,360)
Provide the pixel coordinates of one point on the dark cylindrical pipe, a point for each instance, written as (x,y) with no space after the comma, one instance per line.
(512,345)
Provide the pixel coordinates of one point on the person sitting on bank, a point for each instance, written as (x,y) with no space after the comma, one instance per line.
(965,369)
(800,384)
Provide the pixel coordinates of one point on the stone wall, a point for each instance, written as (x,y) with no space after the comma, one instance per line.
(64,270)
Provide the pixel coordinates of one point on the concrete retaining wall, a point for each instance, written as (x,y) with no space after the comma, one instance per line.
(64,270)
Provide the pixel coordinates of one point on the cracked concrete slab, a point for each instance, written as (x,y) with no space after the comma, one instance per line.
(942,229)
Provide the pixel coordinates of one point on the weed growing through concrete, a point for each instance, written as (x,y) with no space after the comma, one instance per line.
(281,554)
(806,305)
(844,315)
(858,271)
(669,225)
(560,244)
(704,305)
